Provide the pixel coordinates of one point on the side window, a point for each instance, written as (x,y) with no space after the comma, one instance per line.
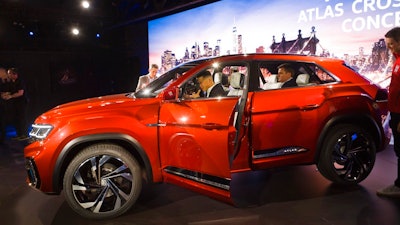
(281,74)
(319,75)
(285,74)
(216,81)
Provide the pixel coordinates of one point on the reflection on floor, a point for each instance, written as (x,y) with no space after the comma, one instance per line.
(285,196)
(10,132)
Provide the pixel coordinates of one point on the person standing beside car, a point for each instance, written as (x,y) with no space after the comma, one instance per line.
(3,93)
(16,103)
(392,39)
(144,80)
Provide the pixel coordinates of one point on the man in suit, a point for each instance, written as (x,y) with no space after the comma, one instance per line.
(208,86)
(144,80)
(285,75)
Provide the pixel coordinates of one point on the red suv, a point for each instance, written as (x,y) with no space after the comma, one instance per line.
(99,151)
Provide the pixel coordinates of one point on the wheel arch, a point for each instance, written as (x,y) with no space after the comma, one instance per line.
(365,121)
(77,144)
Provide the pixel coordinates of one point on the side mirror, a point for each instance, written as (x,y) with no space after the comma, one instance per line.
(171,93)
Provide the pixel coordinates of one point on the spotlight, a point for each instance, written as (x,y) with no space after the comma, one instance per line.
(31,33)
(85,4)
(75,31)
(98,35)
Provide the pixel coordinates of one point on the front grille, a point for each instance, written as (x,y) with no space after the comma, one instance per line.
(33,179)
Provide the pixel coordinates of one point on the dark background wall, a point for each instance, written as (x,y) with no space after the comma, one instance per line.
(58,67)
(94,69)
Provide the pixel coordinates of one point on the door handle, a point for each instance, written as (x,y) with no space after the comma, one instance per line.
(212,126)
(309,107)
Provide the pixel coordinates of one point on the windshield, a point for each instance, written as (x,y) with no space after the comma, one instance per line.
(158,85)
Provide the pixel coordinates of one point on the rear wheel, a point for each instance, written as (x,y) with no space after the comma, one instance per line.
(102,181)
(348,155)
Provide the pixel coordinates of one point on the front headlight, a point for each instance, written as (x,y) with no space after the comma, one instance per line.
(40,131)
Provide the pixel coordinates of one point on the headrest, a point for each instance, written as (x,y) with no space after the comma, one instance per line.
(272,85)
(302,79)
(217,77)
(236,80)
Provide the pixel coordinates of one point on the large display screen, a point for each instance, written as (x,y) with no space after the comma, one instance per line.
(352,30)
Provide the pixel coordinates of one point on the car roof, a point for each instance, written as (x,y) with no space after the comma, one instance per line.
(295,57)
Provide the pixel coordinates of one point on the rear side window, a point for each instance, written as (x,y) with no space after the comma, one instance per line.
(319,75)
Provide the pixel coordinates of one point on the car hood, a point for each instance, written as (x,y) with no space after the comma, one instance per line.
(96,105)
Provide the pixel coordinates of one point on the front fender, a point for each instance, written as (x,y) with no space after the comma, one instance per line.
(76,144)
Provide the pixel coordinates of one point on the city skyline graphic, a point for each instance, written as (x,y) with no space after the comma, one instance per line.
(345,29)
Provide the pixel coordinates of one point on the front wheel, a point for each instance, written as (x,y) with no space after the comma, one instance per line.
(348,155)
(102,181)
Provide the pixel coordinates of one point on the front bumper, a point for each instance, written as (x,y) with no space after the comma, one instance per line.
(33,178)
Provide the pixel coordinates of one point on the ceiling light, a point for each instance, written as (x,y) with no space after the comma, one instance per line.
(85,4)
(75,31)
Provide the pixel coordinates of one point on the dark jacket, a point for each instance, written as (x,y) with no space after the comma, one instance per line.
(14,87)
(289,83)
(217,90)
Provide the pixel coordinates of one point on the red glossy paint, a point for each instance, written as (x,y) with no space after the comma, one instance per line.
(195,143)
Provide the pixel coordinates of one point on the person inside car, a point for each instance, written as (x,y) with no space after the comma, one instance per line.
(286,75)
(208,86)
(266,78)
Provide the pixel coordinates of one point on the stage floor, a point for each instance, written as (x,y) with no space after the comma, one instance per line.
(286,196)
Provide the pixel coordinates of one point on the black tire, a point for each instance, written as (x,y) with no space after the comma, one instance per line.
(102,181)
(348,155)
